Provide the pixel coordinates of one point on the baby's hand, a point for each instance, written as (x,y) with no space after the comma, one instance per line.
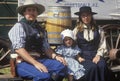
(80,59)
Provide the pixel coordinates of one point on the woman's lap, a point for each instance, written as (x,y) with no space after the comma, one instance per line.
(94,72)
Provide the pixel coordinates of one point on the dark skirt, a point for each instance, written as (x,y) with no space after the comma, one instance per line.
(94,72)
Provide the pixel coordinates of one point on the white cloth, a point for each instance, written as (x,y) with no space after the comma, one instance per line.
(88,34)
(67,33)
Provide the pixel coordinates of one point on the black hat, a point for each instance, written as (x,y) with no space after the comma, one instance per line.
(85,9)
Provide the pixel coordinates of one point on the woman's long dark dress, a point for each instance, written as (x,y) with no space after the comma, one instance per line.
(94,72)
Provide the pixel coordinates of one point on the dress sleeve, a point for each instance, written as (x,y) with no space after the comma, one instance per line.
(59,50)
(102,45)
(17,36)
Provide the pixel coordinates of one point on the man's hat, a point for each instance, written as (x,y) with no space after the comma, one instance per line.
(85,9)
(29,3)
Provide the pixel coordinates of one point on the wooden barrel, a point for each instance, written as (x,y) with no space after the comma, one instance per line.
(59,18)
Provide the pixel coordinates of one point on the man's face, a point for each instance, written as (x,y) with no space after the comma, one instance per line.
(31,13)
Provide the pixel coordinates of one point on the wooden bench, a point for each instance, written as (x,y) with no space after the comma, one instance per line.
(9,77)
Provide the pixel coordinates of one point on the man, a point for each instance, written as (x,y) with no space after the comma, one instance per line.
(27,37)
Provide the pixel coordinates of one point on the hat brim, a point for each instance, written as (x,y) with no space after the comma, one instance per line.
(40,8)
(79,13)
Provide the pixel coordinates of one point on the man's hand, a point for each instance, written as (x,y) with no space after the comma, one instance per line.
(40,67)
(26,56)
(61,59)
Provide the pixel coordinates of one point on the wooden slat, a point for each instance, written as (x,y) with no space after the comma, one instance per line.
(6,76)
(5,55)
(115,68)
(8,25)
(8,2)
(117,42)
(111,38)
(8,17)
(4,66)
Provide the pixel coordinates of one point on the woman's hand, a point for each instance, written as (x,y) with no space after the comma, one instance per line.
(96,59)
(40,67)
(61,59)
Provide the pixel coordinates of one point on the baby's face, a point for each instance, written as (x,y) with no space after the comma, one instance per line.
(68,41)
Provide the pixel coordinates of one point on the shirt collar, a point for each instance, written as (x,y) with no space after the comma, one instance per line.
(84,26)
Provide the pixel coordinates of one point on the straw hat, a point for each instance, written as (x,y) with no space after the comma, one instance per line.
(84,9)
(67,33)
(29,3)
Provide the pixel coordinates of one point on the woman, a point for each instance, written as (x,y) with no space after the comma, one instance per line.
(91,41)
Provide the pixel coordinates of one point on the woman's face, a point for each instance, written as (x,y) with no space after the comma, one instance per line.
(68,41)
(31,13)
(86,18)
